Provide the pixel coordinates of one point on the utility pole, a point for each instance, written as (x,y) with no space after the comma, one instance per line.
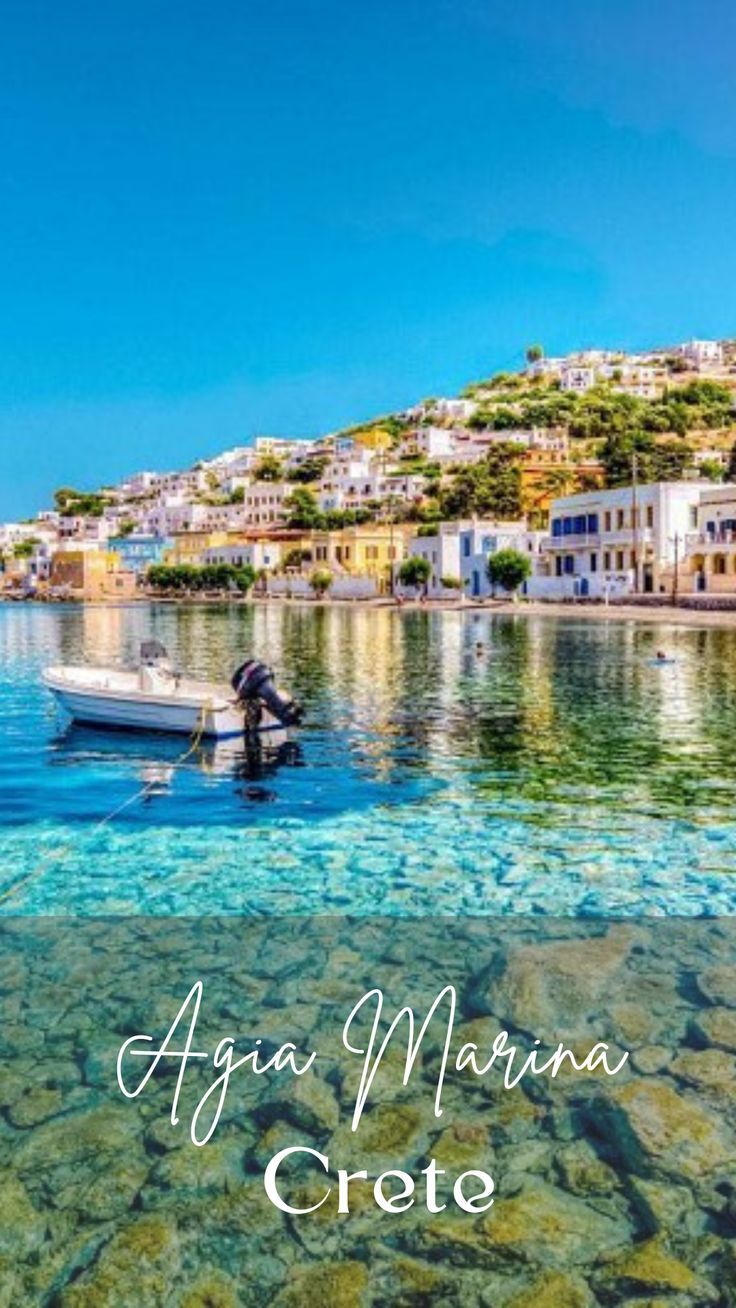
(635,519)
(391,578)
(676,574)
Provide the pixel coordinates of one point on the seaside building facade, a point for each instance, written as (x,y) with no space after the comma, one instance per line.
(709,565)
(371,550)
(608,543)
(90,574)
(137,553)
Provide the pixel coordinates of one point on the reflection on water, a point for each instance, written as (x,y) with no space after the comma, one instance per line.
(449,760)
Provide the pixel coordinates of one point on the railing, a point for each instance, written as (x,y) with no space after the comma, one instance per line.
(696,538)
(624,536)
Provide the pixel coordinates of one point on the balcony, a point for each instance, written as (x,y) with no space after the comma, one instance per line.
(710,540)
(621,539)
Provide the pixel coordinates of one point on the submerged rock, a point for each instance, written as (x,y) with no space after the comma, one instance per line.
(545,986)
(716,1026)
(317,1285)
(650,1266)
(553,1290)
(655,1127)
(718,984)
(135,1270)
(546,1225)
(212,1289)
(22,1228)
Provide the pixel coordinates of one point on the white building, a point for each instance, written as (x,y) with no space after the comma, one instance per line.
(613,542)
(710,551)
(78,528)
(460,550)
(481,539)
(351,492)
(546,367)
(264,503)
(139,485)
(15,533)
(457,409)
(574,377)
(171,514)
(256,554)
(431,442)
(702,354)
(442,552)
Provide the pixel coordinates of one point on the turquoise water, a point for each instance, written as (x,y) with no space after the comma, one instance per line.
(450,762)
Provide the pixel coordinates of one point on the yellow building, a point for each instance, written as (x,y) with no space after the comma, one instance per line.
(91,575)
(189,546)
(369,550)
(707,555)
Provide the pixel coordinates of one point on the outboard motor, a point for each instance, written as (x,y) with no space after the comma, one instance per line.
(153,654)
(253,681)
(156,670)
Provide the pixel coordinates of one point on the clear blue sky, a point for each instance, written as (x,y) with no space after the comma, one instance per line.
(235,217)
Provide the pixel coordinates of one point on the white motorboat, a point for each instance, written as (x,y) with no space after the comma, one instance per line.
(154,697)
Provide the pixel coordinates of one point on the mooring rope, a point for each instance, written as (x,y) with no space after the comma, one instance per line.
(57,854)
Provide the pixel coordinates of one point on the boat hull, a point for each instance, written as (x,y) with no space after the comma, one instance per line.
(118,701)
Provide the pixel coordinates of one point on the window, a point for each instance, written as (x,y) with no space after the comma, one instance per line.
(466,547)
(593,522)
(569,564)
(650,515)
(619,560)
(558,566)
(620,519)
(594,563)
(607,561)
(556,527)
(607,521)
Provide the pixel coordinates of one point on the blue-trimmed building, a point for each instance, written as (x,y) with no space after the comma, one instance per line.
(137,552)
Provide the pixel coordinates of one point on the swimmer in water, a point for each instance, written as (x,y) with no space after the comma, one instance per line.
(661,656)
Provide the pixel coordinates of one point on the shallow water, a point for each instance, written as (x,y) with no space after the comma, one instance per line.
(450,762)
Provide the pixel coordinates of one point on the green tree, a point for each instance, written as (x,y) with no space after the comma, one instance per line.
(295,557)
(269,468)
(712,469)
(415,571)
(534,353)
(24,548)
(320,581)
(303,510)
(311,469)
(490,488)
(83,504)
(178,577)
(508,569)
